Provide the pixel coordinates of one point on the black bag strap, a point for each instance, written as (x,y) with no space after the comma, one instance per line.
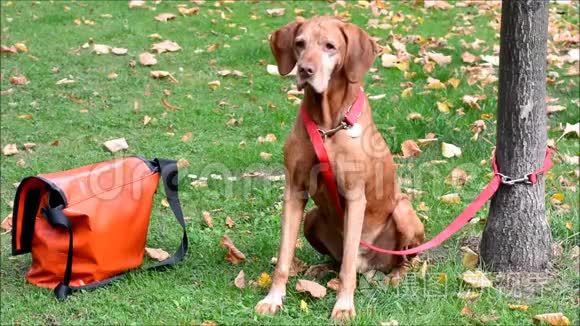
(56,218)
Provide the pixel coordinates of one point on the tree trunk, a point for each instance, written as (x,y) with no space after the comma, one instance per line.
(517,235)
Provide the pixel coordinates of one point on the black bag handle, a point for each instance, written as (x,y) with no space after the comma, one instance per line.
(56,218)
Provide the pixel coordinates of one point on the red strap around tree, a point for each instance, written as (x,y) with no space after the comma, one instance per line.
(460,221)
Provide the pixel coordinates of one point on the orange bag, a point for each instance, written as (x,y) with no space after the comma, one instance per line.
(87,226)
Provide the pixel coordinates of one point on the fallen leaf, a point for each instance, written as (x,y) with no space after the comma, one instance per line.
(472,101)
(264,280)
(297,267)
(519,307)
(170,107)
(439,58)
(376,97)
(555,108)
(437,4)
(407,92)
(158,74)
(240,281)
(276,12)
(115,145)
(450,150)
(234,255)
(433,83)
(554,319)
(333,284)
(101,49)
(147,59)
(112,76)
(477,127)
(410,148)
(214,84)
(557,198)
(65,81)
(466,311)
(442,278)
(303,306)
(10,149)
(468,295)
(165,203)
(229,222)
(7,223)
(443,107)
(21,47)
(569,225)
(493,59)
(157,254)
(476,279)
(29,146)
(452,198)
(391,322)
(207,219)
(470,258)
(457,178)
(146,120)
(119,51)
(164,17)
(137,4)
(166,46)
(314,289)
(265,156)
(18,80)
(571,129)
(469,58)
(414,116)
(188,11)
(182,163)
(454,82)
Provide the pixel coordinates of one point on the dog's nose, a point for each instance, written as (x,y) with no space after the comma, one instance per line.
(305,70)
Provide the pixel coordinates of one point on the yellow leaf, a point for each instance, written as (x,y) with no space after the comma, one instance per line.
(569,225)
(410,148)
(557,198)
(214,84)
(476,279)
(519,307)
(304,306)
(451,198)
(164,202)
(487,116)
(264,280)
(442,278)
(433,83)
(470,258)
(443,107)
(407,92)
(555,319)
(454,82)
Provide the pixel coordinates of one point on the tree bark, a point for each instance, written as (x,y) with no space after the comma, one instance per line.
(517,235)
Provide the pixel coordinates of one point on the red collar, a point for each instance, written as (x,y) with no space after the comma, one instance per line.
(350,117)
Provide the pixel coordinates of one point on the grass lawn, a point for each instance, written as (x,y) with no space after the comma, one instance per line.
(69,122)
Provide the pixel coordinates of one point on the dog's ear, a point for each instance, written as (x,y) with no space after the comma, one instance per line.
(361,51)
(282,45)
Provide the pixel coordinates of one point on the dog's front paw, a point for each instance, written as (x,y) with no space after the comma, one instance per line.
(269,305)
(343,309)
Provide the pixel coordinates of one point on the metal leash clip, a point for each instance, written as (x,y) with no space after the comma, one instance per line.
(512,181)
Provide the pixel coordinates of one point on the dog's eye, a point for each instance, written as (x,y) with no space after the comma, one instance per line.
(330,46)
(299,44)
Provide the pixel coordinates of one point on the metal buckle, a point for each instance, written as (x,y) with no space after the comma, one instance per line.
(507,180)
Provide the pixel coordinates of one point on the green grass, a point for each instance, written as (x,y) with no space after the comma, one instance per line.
(201,288)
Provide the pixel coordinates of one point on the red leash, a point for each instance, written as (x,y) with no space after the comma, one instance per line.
(468,213)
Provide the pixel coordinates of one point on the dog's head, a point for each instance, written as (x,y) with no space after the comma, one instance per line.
(320,48)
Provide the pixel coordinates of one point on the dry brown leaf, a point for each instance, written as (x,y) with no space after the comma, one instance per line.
(457,178)
(187,11)
(137,4)
(157,254)
(119,51)
(186,137)
(10,149)
(29,146)
(7,223)
(297,267)
(439,58)
(472,101)
(476,279)
(437,4)
(414,116)
(18,80)
(470,257)
(477,127)
(207,219)
(466,311)
(240,280)
(182,163)
(269,138)
(166,46)
(230,222)
(234,255)
(101,49)
(554,319)
(170,107)
(469,58)
(147,59)
(164,17)
(21,47)
(410,148)
(454,82)
(314,289)
(333,284)
(115,145)
(214,84)
(450,150)
(158,74)
(452,198)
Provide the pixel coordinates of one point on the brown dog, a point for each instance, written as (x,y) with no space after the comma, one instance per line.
(332,58)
